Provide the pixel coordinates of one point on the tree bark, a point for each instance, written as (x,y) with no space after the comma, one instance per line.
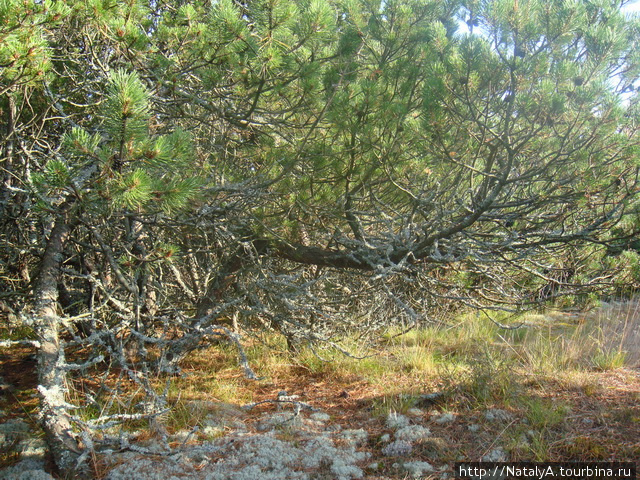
(52,387)
(8,150)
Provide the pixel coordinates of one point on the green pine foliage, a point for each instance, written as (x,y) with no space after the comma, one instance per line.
(55,176)
(139,171)
(126,111)
(358,115)
(25,58)
(497,138)
(148,171)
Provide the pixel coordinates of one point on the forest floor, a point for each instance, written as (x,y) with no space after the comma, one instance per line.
(564,387)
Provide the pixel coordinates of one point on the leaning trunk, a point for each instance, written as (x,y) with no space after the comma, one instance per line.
(51,362)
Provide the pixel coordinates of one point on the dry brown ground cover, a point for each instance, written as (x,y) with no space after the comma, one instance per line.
(598,412)
(569,384)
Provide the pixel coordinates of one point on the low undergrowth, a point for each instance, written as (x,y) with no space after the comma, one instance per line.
(472,361)
(561,378)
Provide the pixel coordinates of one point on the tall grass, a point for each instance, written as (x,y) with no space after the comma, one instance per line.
(616,332)
(470,357)
(603,339)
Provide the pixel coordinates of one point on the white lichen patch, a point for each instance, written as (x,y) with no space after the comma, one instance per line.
(497,414)
(398,448)
(11,431)
(418,469)
(279,420)
(248,457)
(34,449)
(320,417)
(412,433)
(396,420)
(444,418)
(354,437)
(496,455)
(25,470)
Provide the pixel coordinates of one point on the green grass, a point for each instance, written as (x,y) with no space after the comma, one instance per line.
(608,360)
(542,413)
(371,367)
(186,415)
(393,403)
(472,356)
(315,361)
(470,351)
(539,447)
(486,381)
(416,359)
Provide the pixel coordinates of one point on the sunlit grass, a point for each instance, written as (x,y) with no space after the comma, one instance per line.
(393,402)
(370,367)
(417,360)
(186,415)
(471,357)
(608,360)
(542,413)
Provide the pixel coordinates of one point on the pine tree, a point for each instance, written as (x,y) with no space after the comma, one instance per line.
(167,166)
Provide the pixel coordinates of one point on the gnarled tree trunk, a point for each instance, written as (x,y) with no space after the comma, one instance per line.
(52,387)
